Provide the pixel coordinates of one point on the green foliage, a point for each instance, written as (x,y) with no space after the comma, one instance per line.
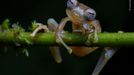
(25,51)
(17,27)
(33,26)
(5,25)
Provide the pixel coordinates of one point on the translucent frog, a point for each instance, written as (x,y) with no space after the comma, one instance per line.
(83,22)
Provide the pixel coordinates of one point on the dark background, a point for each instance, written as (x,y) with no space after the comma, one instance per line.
(113,16)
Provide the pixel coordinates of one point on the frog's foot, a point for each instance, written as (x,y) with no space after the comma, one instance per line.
(95,36)
(104,58)
(60,41)
(59,35)
(92,38)
(40,27)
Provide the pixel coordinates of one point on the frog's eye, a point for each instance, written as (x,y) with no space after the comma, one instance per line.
(90,14)
(72,3)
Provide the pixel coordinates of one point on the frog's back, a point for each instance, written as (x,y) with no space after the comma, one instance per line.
(83,6)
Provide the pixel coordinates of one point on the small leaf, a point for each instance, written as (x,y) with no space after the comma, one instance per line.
(34,26)
(5,24)
(17,27)
(25,51)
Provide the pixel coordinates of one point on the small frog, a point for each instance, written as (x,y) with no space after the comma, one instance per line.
(84,22)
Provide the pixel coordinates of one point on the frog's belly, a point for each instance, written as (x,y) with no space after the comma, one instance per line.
(77,28)
(82,51)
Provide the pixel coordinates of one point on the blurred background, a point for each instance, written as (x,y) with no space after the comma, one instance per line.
(113,15)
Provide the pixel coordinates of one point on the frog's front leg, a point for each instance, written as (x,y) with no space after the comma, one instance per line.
(59,35)
(95,30)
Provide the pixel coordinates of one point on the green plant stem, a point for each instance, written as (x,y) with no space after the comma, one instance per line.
(104,39)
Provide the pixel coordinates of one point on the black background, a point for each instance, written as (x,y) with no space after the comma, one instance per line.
(113,16)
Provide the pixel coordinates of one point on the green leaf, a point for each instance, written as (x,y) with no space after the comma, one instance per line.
(34,26)
(5,24)
(25,51)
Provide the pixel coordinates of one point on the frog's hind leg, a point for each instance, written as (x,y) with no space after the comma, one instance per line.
(105,57)
(59,35)
(55,51)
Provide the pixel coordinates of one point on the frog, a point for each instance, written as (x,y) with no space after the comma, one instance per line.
(83,22)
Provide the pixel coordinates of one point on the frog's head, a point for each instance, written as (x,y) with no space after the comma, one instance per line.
(81,10)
